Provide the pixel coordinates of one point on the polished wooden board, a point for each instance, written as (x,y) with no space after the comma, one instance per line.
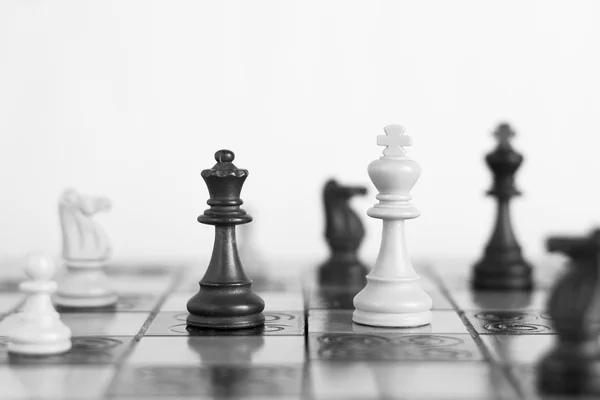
(481,345)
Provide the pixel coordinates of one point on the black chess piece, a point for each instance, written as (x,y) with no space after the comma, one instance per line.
(573,365)
(503,266)
(225,299)
(344,233)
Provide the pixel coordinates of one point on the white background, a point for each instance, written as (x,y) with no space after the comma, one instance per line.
(130,99)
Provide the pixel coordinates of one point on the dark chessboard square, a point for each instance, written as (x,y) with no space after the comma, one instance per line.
(329,321)
(276,324)
(217,381)
(518,349)
(498,322)
(85,350)
(218,350)
(398,347)
(418,381)
(494,300)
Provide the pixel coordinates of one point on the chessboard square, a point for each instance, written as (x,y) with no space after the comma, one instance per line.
(137,302)
(518,349)
(282,301)
(434,380)
(141,270)
(132,284)
(382,347)
(330,321)
(55,382)
(93,324)
(176,301)
(218,350)
(217,381)
(281,283)
(498,322)
(429,278)
(496,300)
(331,297)
(105,324)
(126,302)
(439,299)
(170,323)
(84,350)
(454,274)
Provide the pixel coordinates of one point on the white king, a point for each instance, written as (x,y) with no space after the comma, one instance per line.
(393,296)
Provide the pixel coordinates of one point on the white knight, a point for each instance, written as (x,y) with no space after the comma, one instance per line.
(84,240)
(86,249)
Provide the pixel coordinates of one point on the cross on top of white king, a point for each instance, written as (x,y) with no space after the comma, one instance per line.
(394,140)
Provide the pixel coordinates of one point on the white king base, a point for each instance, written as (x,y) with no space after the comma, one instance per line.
(393,296)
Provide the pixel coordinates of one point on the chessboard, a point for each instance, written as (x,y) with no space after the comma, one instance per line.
(480,345)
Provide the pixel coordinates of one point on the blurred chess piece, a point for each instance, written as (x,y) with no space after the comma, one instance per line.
(503,266)
(86,249)
(344,232)
(37,328)
(572,366)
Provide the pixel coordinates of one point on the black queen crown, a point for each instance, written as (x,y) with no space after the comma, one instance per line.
(224,181)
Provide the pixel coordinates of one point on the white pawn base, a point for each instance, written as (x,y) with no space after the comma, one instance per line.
(36,335)
(86,286)
(404,320)
(392,303)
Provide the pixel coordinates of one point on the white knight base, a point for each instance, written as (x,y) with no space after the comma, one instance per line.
(85,287)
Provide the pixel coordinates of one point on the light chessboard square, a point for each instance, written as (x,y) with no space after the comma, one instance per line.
(218,350)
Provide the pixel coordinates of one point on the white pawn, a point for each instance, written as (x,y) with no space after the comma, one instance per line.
(393,296)
(38,329)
